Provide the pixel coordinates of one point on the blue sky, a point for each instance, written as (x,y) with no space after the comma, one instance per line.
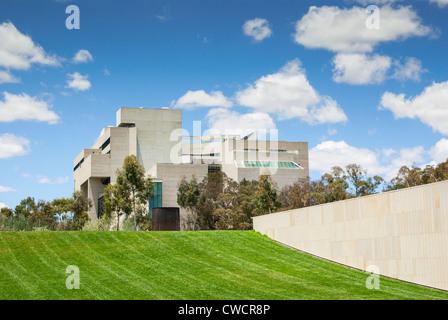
(311,69)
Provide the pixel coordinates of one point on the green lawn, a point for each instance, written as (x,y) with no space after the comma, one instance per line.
(179,265)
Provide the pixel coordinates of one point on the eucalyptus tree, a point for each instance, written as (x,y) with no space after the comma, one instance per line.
(136,185)
(116,200)
(266,199)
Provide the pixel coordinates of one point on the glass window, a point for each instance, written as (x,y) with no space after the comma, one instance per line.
(271,164)
(156,199)
(105,144)
(101,205)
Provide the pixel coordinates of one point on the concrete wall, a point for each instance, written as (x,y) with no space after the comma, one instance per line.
(95,187)
(171,175)
(99,165)
(154,128)
(404,233)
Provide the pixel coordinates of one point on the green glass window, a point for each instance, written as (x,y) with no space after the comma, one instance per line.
(271,164)
(156,198)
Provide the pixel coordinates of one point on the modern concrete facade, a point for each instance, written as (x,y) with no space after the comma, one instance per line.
(403,233)
(167,153)
(141,132)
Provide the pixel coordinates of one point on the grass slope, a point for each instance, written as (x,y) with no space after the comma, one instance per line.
(179,265)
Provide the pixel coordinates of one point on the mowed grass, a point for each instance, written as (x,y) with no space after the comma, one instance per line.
(179,265)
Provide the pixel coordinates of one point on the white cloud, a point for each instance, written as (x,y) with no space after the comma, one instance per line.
(385,163)
(199,98)
(327,111)
(7,77)
(45,180)
(410,70)
(2,205)
(257,28)
(165,16)
(82,56)
(226,121)
(439,152)
(18,51)
(440,3)
(332,132)
(360,69)
(78,82)
(338,153)
(405,157)
(369,2)
(7,189)
(388,152)
(13,146)
(430,107)
(288,94)
(344,30)
(23,107)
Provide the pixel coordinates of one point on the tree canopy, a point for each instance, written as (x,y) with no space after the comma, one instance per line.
(131,192)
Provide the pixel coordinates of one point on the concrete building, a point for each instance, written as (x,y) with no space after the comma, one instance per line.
(168,153)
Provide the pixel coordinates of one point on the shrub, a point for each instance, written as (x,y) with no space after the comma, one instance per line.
(100,224)
(127,225)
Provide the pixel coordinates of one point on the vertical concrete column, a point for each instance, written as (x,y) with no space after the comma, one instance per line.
(95,187)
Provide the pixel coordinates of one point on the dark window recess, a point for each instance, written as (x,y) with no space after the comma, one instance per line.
(155,201)
(214,168)
(106,181)
(100,206)
(78,165)
(105,144)
(127,125)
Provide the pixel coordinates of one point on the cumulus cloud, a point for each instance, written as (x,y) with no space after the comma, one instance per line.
(23,107)
(440,3)
(411,70)
(360,69)
(344,30)
(439,152)
(326,111)
(2,205)
(385,163)
(7,189)
(78,82)
(18,51)
(404,157)
(82,56)
(363,69)
(7,77)
(45,180)
(339,153)
(257,28)
(13,146)
(288,94)
(430,107)
(199,98)
(227,121)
